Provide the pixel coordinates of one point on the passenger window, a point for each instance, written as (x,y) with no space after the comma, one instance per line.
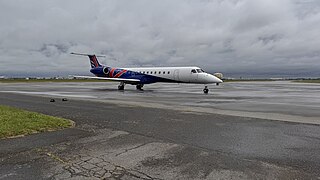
(168,72)
(159,72)
(164,72)
(144,72)
(193,71)
(147,72)
(150,72)
(155,72)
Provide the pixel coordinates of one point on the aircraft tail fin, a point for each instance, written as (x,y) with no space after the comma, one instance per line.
(93,59)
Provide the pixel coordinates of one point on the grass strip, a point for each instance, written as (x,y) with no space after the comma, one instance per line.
(308,81)
(246,80)
(47,80)
(16,122)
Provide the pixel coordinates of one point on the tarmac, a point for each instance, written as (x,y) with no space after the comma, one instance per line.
(243,130)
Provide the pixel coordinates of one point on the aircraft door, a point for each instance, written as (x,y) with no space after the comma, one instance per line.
(176,75)
(194,76)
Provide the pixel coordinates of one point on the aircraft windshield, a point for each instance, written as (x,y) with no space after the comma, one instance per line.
(197,71)
(200,70)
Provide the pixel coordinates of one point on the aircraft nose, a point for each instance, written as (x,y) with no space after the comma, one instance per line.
(215,79)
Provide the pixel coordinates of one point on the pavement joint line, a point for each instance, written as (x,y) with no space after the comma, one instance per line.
(52,156)
(130,149)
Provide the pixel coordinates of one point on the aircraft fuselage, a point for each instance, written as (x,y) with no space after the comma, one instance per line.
(141,76)
(158,74)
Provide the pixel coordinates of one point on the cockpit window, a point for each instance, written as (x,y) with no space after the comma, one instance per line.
(200,70)
(193,71)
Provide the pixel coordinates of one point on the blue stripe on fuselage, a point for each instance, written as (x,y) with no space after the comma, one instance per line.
(144,78)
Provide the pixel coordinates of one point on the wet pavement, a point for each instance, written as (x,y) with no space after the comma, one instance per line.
(167,132)
(277,100)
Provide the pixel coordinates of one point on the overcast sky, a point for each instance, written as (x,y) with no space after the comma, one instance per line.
(228,36)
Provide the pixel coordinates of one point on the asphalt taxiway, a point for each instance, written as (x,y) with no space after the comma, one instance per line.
(247,130)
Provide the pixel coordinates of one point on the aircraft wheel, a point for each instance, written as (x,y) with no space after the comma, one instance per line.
(139,86)
(120,87)
(206,90)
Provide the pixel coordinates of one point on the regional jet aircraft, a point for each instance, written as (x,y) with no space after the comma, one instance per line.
(141,76)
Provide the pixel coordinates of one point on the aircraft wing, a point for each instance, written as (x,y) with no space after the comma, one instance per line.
(110,79)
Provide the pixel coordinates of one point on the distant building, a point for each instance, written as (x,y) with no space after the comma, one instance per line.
(277,79)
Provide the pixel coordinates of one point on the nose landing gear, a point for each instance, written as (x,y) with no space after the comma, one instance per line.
(206,90)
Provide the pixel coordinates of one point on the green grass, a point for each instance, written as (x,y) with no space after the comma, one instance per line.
(246,80)
(14,122)
(46,80)
(308,81)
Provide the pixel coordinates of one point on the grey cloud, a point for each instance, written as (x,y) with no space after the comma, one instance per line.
(50,50)
(250,36)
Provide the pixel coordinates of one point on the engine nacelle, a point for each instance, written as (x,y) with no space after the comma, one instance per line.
(106,70)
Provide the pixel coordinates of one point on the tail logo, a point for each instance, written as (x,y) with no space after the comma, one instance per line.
(118,74)
(93,61)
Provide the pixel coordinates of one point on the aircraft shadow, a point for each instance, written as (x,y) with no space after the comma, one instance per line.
(123,91)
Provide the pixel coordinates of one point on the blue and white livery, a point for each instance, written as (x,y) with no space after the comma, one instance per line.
(142,76)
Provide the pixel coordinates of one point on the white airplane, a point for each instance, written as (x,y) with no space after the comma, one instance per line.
(141,76)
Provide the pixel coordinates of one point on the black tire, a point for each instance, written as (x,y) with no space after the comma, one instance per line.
(120,87)
(139,86)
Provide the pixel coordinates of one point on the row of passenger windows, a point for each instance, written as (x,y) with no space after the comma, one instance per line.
(154,72)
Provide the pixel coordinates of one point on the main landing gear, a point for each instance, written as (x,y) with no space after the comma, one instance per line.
(121,86)
(139,86)
(206,90)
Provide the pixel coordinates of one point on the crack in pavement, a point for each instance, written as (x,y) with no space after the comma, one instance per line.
(96,167)
(130,149)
